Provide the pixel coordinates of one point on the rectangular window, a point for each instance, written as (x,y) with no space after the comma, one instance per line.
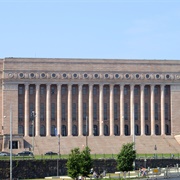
(166,89)
(73,90)
(95,111)
(20,111)
(146,90)
(31,90)
(105,90)
(156,111)
(115,90)
(146,111)
(95,90)
(63,90)
(125,111)
(42,112)
(136,111)
(42,90)
(53,91)
(84,111)
(84,90)
(21,90)
(74,111)
(136,90)
(115,111)
(53,111)
(63,111)
(31,108)
(166,111)
(125,90)
(156,90)
(105,111)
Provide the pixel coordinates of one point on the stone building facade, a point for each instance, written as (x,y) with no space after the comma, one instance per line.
(88,97)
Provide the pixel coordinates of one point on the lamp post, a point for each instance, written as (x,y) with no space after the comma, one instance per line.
(33,115)
(86,131)
(155,149)
(58,154)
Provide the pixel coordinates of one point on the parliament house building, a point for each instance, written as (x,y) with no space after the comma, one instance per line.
(50,104)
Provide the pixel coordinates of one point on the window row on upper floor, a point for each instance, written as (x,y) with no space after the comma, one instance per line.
(85,90)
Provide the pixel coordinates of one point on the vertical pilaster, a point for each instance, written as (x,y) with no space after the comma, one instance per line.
(26,109)
(162,111)
(48,110)
(80,111)
(142,111)
(37,111)
(90,109)
(101,110)
(152,111)
(111,109)
(69,109)
(122,109)
(59,116)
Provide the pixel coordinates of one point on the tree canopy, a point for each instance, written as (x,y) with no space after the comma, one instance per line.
(79,163)
(126,157)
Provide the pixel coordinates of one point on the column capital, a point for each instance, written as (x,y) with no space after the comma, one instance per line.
(91,84)
(80,86)
(111,85)
(26,86)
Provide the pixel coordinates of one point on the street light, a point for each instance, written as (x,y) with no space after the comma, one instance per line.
(155,149)
(58,154)
(33,115)
(86,131)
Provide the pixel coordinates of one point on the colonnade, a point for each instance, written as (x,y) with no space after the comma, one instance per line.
(90,106)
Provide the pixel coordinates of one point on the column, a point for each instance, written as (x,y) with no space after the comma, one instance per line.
(80,111)
(142,111)
(122,109)
(111,109)
(101,115)
(69,109)
(90,109)
(26,109)
(152,111)
(37,111)
(162,111)
(132,109)
(59,116)
(48,110)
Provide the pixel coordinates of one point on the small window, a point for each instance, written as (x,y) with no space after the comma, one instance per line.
(147,76)
(75,75)
(85,75)
(116,76)
(21,75)
(96,75)
(64,75)
(53,75)
(32,75)
(167,76)
(43,75)
(137,76)
(106,75)
(157,76)
(127,76)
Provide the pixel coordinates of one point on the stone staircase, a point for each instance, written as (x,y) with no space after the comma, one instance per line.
(104,145)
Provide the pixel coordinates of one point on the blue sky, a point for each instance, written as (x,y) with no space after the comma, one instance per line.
(110,29)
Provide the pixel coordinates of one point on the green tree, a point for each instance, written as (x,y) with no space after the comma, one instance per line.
(126,157)
(79,163)
(73,163)
(86,163)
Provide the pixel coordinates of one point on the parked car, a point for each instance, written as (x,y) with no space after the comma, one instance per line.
(51,153)
(4,153)
(25,153)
